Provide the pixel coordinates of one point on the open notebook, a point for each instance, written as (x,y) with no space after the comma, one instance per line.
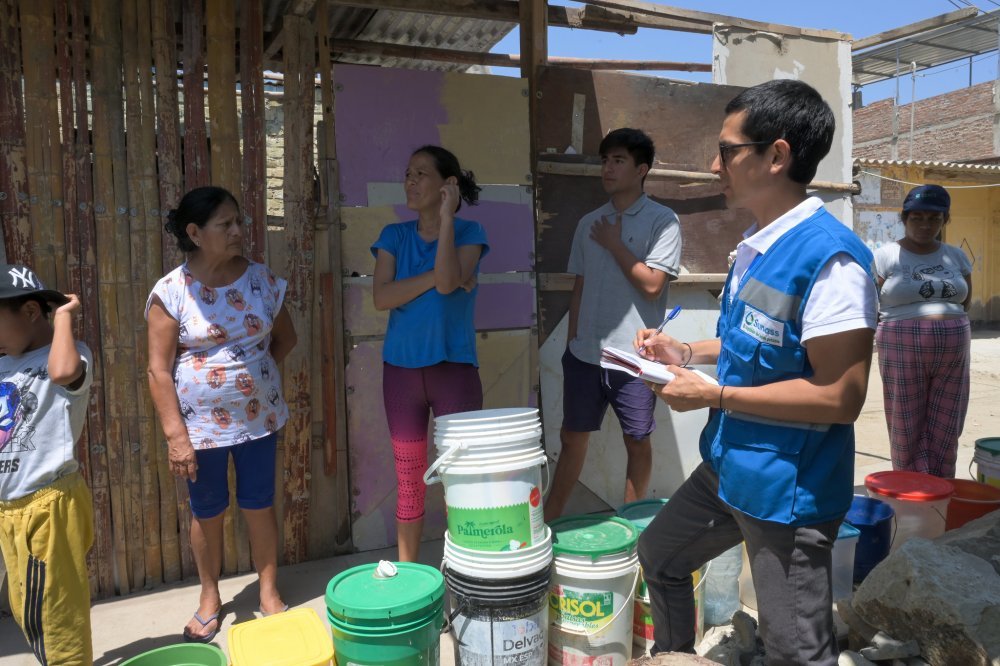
(637,366)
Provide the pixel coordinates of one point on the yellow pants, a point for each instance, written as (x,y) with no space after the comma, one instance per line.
(45,538)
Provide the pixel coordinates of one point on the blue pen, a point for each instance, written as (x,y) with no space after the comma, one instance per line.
(670,315)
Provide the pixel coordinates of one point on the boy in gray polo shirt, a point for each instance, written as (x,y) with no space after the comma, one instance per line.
(624,254)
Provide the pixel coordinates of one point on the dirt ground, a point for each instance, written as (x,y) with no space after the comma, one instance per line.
(123,628)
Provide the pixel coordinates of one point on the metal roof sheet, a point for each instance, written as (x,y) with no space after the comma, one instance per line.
(973,36)
(934,164)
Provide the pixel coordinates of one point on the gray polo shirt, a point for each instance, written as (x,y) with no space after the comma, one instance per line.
(612,310)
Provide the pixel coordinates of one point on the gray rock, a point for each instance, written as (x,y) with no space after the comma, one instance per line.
(940,595)
(981,538)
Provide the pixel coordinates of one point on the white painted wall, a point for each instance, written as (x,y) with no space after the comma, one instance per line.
(742,57)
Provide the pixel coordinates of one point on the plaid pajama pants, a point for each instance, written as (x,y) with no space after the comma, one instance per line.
(925,384)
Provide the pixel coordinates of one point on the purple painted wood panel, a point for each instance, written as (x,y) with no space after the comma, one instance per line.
(382,116)
(509,231)
(504,306)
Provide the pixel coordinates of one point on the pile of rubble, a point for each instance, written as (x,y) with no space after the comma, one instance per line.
(931,602)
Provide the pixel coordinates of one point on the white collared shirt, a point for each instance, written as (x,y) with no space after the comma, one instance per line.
(844,297)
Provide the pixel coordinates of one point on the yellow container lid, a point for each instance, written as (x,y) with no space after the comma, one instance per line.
(296,637)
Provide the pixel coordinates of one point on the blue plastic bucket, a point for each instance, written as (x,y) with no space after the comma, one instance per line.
(873,519)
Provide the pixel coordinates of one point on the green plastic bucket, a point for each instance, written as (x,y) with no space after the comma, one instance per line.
(182,654)
(386,614)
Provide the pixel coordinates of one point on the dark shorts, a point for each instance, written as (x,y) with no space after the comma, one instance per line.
(254,462)
(588,389)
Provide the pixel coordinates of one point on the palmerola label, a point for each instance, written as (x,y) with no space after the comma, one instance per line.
(499,528)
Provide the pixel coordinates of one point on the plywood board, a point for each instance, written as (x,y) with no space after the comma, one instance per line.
(473,102)
(361,228)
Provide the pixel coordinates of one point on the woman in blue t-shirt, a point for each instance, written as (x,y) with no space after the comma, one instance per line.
(425,275)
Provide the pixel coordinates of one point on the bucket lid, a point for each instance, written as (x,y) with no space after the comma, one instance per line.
(486,416)
(387,591)
(848,531)
(293,638)
(912,486)
(989,445)
(641,513)
(592,536)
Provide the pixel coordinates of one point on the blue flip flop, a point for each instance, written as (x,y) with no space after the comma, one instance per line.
(207,638)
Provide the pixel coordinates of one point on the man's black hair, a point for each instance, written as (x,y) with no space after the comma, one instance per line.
(789,110)
(636,142)
(15,304)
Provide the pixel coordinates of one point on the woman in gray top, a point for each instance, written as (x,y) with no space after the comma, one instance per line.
(923,336)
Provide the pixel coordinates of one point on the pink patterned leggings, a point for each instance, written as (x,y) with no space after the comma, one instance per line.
(410,394)
(925,383)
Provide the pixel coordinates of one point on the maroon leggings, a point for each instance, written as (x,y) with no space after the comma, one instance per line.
(409,395)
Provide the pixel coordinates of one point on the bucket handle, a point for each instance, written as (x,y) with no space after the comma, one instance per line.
(452,615)
(635,582)
(547,486)
(429,478)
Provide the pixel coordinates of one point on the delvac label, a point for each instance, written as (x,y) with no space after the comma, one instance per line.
(502,641)
(499,528)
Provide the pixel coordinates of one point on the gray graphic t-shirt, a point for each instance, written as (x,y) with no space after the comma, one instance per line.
(918,285)
(40,422)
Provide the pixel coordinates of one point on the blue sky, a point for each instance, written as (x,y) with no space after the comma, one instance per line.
(859,18)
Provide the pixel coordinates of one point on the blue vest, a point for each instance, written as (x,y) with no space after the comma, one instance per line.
(782,471)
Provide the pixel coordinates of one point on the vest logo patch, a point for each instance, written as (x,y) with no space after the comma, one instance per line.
(760,327)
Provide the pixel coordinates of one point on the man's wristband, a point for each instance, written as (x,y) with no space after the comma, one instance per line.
(684,362)
(722,391)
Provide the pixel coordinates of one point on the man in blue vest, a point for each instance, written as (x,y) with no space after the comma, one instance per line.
(793,351)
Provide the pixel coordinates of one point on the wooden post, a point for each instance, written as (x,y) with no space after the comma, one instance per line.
(41,123)
(170,189)
(534,53)
(111,208)
(196,170)
(14,217)
(332,298)
(100,559)
(254,144)
(300,72)
(220,32)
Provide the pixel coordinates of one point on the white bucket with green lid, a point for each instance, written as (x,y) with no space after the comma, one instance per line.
(387,614)
(594,575)
(492,478)
(987,459)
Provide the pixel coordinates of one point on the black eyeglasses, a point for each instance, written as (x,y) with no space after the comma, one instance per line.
(726,147)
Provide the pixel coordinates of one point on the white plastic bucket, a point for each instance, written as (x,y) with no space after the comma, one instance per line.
(919,500)
(591,596)
(843,561)
(987,459)
(498,565)
(492,481)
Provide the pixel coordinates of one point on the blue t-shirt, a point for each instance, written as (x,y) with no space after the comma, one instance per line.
(433,327)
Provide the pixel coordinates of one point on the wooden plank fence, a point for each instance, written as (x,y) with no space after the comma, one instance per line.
(93,153)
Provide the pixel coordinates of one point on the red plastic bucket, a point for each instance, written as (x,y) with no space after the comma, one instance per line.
(971,500)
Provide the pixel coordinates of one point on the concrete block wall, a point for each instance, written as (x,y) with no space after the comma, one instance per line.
(954,127)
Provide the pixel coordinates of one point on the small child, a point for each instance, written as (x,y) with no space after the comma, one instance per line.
(46,512)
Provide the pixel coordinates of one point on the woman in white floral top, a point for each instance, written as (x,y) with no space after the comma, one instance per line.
(217,330)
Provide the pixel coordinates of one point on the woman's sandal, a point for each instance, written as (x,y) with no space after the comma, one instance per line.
(207,638)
